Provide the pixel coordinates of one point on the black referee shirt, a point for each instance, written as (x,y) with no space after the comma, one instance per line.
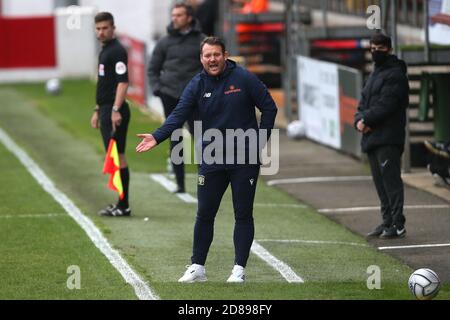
(112,69)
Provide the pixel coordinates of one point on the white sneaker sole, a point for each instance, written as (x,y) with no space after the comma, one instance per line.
(193,280)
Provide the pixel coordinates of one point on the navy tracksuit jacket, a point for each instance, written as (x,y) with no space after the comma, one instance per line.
(227,101)
(224,102)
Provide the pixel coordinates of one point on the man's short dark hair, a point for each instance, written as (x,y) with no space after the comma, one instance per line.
(213,41)
(381,39)
(104,16)
(189,9)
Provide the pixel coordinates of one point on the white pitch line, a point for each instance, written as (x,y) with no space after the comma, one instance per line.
(141,289)
(281,205)
(256,248)
(376,208)
(317,179)
(332,179)
(275,263)
(435,245)
(186,197)
(26,216)
(314,242)
(415,246)
(171,187)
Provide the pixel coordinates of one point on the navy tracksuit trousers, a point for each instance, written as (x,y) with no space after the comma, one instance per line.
(210,189)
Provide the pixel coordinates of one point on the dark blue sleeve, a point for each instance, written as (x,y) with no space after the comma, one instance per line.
(263,101)
(180,114)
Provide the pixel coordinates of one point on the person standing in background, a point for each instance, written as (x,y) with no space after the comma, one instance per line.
(112,113)
(381,118)
(174,62)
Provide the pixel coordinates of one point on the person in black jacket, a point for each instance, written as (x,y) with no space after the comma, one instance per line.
(381,117)
(225,96)
(175,60)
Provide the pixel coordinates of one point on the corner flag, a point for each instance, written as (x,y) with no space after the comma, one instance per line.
(112,167)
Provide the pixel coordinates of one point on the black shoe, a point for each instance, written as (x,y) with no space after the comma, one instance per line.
(393,232)
(115,211)
(377,231)
(437,148)
(121,212)
(180,190)
(107,211)
(441,181)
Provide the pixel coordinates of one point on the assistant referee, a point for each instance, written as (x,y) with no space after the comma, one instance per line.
(112,113)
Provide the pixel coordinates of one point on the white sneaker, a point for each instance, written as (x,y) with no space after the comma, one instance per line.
(194,273)
(237,274)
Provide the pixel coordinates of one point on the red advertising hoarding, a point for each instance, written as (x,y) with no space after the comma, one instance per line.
(137,90)
(27,42)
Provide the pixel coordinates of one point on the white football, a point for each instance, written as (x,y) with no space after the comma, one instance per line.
(296,129)
(424,284)
(53,86)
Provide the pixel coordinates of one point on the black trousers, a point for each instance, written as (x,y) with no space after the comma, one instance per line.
(385,164)
(210,189)
(169,104)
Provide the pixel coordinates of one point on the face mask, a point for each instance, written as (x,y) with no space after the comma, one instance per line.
(379,57)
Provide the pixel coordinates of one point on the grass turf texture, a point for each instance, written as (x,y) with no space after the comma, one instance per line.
(36,250)
(72,111)
(159,248)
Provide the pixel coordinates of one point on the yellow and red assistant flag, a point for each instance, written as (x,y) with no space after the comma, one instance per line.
(112,167)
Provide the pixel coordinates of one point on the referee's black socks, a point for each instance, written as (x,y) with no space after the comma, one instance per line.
(125,176)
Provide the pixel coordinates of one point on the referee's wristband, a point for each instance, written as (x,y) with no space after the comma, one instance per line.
(96,109)
(115,108)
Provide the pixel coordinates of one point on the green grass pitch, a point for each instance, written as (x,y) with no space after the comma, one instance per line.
(39,241)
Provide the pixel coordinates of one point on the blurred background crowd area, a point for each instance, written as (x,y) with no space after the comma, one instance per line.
(275,39)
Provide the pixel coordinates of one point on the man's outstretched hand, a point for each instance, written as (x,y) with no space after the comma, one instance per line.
(147,143)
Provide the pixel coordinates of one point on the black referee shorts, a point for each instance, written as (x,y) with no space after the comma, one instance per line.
(106,126)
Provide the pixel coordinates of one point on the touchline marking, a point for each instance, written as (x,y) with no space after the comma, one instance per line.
(186,197)
(171,187)
(331,179)
(317,179)
(141,289)
(23,216)
(415,246)
(281,205)
(314,242)
(256,248)
(355,244)
(376,208)
(275,263)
